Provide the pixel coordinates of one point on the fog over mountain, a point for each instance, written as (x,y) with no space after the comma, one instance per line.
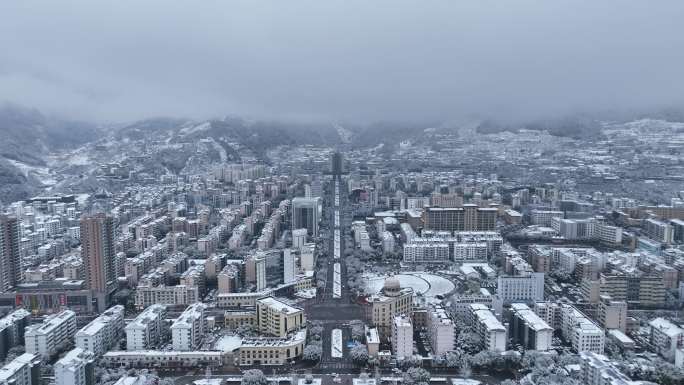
(353,61)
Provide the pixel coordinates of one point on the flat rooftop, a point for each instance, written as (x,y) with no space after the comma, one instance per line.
(280,305)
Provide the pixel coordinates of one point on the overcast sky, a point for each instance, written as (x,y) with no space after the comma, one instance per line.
(341,60)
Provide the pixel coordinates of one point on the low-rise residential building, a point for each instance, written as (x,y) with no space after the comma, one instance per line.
(52,335)
(103,332)
(12,328)
(520,288)
(233,300)
(402,337)
(666,337)
(470,251)
(307,257)
(146,295)
(146,330)
(372,341)
(440,328)
(597,369)
(528,329)
(512,217)
(582,333)
(76,368)
(609,234)
(544,217)
(23,370)
(188,330)
(490,329)
(550,312)
(233,319)
(426,252)
(166,359)
(612,314)
(229,279)
(659,231)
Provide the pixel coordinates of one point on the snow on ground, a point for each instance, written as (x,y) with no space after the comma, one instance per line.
(337,281)
(427,284)
(43,174)
(78,159)
(228,343)
(222,151)
(344,134)
(82,199)
(208,381)
(192,129)
(336,345)
(338,246)
(28,169)
(306,294)
(438,285)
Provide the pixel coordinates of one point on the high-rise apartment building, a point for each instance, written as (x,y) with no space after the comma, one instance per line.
(336,163)
(10,269)
(98,253)
(305,214)
(289,265)
(269,268)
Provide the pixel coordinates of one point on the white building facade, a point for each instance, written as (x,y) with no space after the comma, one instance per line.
(188,329)
(47,338)
(103,332)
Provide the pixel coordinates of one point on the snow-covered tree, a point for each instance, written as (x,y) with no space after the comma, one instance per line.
(316,328)
(254,377)
(533,360)
(416,376)
(358,330)
(14,352)
(312,352)
(359,354)
(454,359)
(409,362)
(245,330)
(470,342)
(484,359)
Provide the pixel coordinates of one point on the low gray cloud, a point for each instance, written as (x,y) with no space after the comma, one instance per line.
(341,60)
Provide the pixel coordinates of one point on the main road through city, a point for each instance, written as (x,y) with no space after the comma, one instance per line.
(334,307)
